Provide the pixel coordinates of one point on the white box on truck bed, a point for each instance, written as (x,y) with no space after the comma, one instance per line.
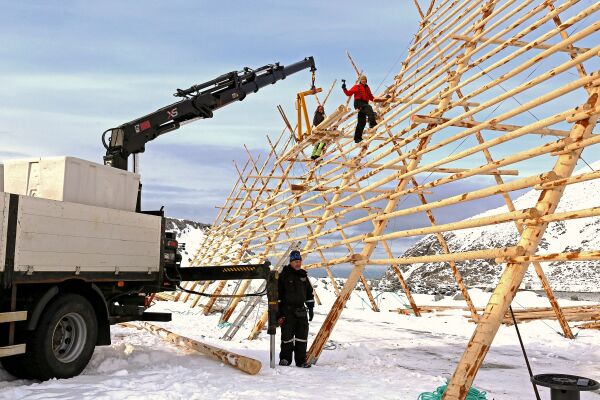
(73,180)
(54,236)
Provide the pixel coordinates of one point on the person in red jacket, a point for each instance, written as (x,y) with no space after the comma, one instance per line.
(362,97)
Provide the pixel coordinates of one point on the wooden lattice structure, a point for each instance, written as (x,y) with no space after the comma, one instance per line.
(500,94)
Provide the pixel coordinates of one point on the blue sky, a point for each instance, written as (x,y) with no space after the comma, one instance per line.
(72,69)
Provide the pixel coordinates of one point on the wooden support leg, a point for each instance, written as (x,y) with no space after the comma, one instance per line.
(513,274)
(359,265)
(405,287)
(202,289)
(444,245)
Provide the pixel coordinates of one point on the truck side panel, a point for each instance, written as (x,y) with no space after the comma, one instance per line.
(58,236)
(3,224)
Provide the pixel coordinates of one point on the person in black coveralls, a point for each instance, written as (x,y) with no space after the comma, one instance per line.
(295,299)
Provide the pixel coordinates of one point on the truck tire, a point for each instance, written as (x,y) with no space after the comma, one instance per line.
(63,342)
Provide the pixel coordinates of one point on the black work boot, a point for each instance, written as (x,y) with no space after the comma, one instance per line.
(284,362)
(304,365)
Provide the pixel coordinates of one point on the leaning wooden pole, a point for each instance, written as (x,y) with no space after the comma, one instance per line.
(246,364)
(514,272)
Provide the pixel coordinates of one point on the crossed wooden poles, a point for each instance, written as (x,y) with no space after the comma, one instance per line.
(476,76)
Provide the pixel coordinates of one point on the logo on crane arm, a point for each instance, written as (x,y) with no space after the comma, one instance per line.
(172,113)
(142,126)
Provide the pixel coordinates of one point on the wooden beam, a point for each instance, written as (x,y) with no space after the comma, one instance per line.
(512,172)
(523,215)
(7,351)
(518,43)
(13,316)
(305,188)
(425,119)
(433,103)
(487,254)
(552,257)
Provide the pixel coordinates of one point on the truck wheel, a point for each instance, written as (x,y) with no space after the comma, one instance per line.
(64,340)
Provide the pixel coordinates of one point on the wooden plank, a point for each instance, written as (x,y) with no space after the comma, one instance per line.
(15,349)
(13,316)
(426,119)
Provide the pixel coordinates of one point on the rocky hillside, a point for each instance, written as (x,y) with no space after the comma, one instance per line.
(573,235)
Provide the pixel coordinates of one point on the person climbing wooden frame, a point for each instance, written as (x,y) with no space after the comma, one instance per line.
(317,119)
(362,96)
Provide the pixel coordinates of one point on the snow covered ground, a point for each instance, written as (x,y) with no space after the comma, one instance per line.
(371,355)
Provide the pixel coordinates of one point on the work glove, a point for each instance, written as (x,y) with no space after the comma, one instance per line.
(344,85)
(280,321)
(311,314)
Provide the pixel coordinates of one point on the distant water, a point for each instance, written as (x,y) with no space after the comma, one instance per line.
(343,271)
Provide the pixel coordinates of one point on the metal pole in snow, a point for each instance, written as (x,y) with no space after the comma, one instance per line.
(272,351)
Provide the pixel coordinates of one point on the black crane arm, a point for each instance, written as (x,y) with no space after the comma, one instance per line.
(198,101)
(233,272)
(222,272)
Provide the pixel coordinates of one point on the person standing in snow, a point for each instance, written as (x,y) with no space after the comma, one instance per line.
(362,97)
(295,299)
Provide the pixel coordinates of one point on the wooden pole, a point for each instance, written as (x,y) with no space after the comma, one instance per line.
(513,273)
(246,364)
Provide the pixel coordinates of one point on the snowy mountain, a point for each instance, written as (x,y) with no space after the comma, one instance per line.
(192,233)
(189,233)
(573,235)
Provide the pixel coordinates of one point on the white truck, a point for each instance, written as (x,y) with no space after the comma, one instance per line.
(72,261)
(77,254)
(69,270)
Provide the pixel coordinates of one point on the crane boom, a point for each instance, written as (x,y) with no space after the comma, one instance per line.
(197,102)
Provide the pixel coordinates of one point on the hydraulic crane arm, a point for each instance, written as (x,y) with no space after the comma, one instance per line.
(223,272)
(233,272)
(198,101)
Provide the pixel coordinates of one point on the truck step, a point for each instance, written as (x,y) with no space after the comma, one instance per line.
(15,349)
